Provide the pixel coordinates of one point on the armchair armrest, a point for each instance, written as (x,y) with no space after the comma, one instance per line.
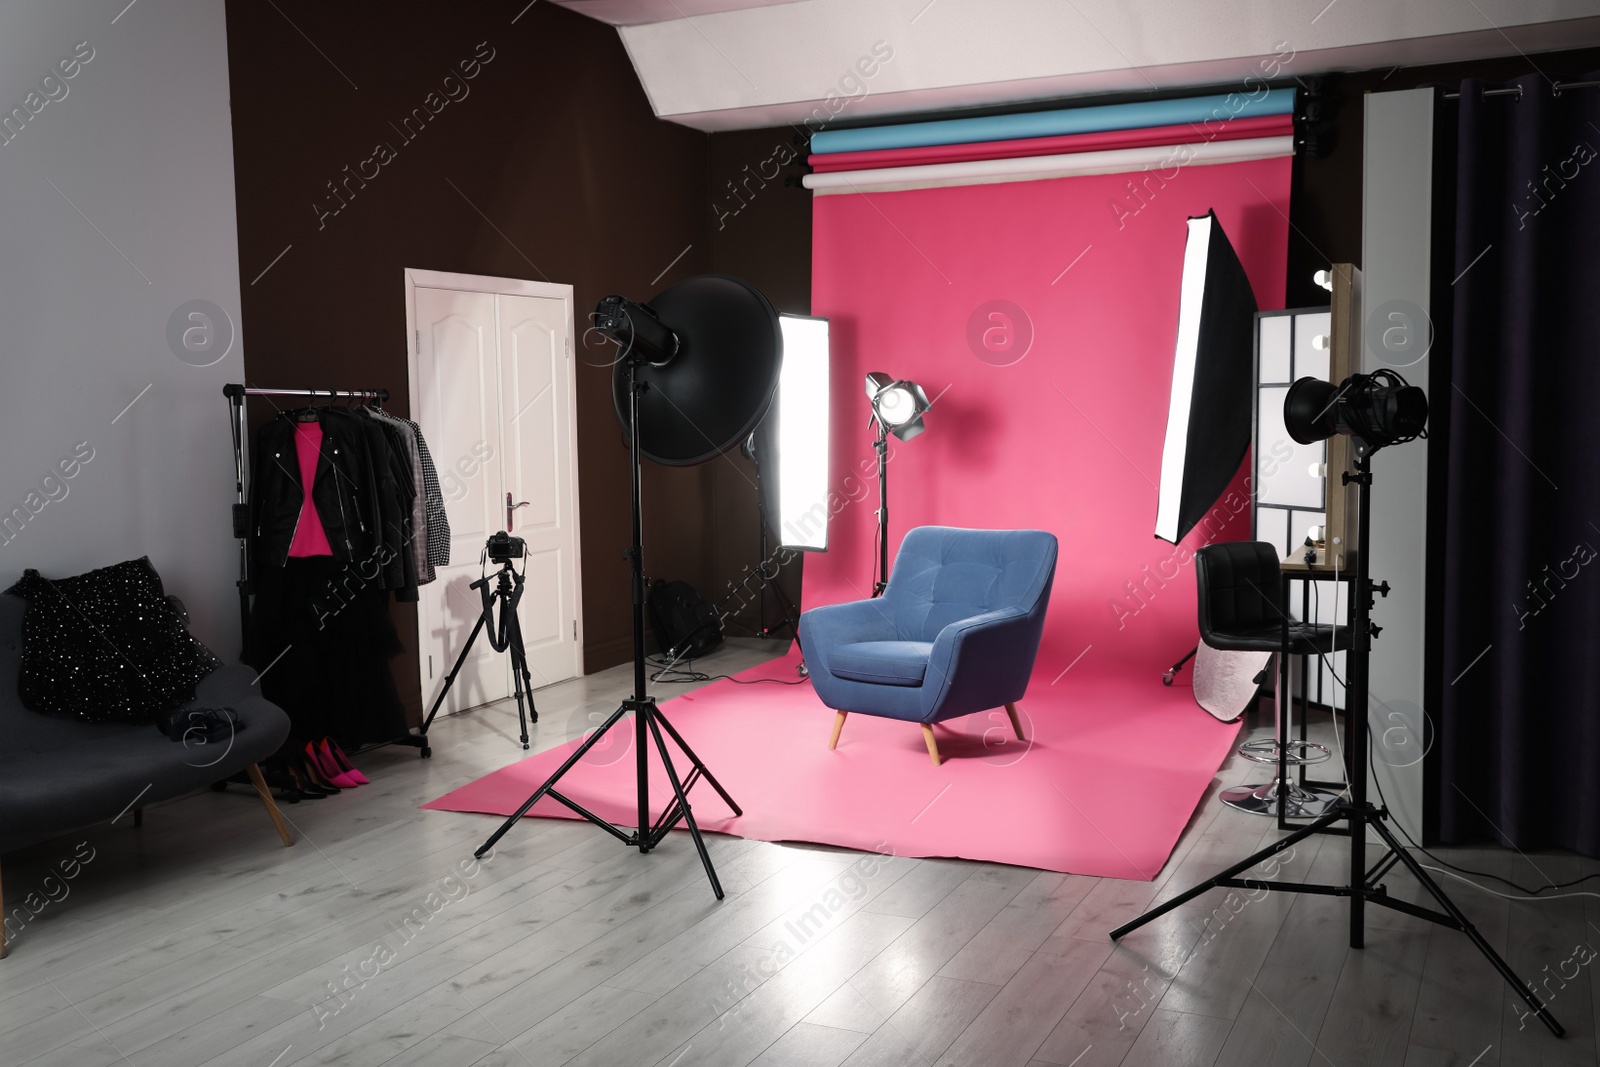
(983,661)
(844,624)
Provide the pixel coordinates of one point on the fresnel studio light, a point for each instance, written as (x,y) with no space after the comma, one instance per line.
(897,408)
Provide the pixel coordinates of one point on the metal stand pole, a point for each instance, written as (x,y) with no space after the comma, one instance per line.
(882,445)
(648,721)
(1363,887)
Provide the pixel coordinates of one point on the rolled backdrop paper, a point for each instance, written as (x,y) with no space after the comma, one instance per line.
(1237,129)
(1040,316)
(1217,110)
(1161,159)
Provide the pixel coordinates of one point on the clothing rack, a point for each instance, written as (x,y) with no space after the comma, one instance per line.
(236,392)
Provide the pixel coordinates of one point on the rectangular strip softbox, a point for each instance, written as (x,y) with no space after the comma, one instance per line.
(1208,418)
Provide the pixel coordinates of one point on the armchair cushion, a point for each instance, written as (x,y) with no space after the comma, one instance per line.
(882,662)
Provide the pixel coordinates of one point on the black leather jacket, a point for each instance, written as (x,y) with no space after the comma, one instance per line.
(344,490)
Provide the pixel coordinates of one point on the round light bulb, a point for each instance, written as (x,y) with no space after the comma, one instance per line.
(895,405)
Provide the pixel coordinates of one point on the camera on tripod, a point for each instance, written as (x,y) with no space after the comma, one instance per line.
(503,548)
(505,635)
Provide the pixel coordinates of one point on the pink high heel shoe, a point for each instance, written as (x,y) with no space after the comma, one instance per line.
(328,768)
(332,753)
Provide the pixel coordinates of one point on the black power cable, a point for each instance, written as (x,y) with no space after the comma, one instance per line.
(1468,870)
(669,674)
(1410,841)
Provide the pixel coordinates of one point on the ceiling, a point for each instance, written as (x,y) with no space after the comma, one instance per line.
(745,64)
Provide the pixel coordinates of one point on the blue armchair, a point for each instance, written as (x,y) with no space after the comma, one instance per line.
(955,632)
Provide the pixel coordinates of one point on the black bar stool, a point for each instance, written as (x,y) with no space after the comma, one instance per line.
(1241,609)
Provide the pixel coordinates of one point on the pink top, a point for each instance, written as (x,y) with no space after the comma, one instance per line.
(309,537)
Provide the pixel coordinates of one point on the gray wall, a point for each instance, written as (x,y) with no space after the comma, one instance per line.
(116,208)
(1396,232)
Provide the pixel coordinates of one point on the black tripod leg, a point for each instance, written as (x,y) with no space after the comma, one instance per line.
(552,780)
(519,676)
(704,773)
(1243,865)
(521,663)
(683,801)
(450,679)
(522,715)
(1523,990)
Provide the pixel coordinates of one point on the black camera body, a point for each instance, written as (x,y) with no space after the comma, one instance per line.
(503,548)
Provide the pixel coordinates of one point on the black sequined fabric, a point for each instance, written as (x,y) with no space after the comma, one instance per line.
(106,646)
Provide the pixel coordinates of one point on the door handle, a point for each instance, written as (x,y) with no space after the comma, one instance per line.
(511,508)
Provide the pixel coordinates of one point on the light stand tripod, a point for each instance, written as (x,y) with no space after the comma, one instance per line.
(507,592)
(1363,887)
(790,615)
(647,718)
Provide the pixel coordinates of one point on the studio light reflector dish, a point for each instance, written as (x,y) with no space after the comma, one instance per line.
(714,351)
(1208,417)
(791,445)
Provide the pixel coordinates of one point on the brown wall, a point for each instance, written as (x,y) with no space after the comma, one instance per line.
(759,230)
(570,178)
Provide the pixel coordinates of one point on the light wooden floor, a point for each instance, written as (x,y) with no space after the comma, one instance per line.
(198,939)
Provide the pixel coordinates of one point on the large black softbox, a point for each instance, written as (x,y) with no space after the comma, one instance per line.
(1208,419)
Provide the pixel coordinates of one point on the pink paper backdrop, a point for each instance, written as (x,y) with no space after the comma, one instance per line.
(1065,436)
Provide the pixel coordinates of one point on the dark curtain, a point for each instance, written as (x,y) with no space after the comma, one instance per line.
(1515,457)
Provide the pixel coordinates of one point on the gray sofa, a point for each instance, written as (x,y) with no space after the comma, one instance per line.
(59,775)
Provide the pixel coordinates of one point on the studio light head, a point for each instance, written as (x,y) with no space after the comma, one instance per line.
(707,352)
(897,405)
(636,330)
(1377,410)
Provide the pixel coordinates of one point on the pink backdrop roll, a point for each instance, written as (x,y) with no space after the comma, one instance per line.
(1056,423)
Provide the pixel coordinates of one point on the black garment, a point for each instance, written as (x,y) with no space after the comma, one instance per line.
(344,491)
(106,646)
(328,616)
(433,499)
(1514,543)
(426,522)
(321,635)
(390,481)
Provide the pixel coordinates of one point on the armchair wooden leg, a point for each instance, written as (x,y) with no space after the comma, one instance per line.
(933,745)
(838,724)
(254,771)
(1016,723)
(3,949)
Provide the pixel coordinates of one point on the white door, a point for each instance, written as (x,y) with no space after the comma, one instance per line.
(492,389)
(536,468)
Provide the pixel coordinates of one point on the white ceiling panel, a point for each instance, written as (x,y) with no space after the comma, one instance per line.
(737,64)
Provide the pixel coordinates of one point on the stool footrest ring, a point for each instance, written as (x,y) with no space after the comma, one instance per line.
(1297,753)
